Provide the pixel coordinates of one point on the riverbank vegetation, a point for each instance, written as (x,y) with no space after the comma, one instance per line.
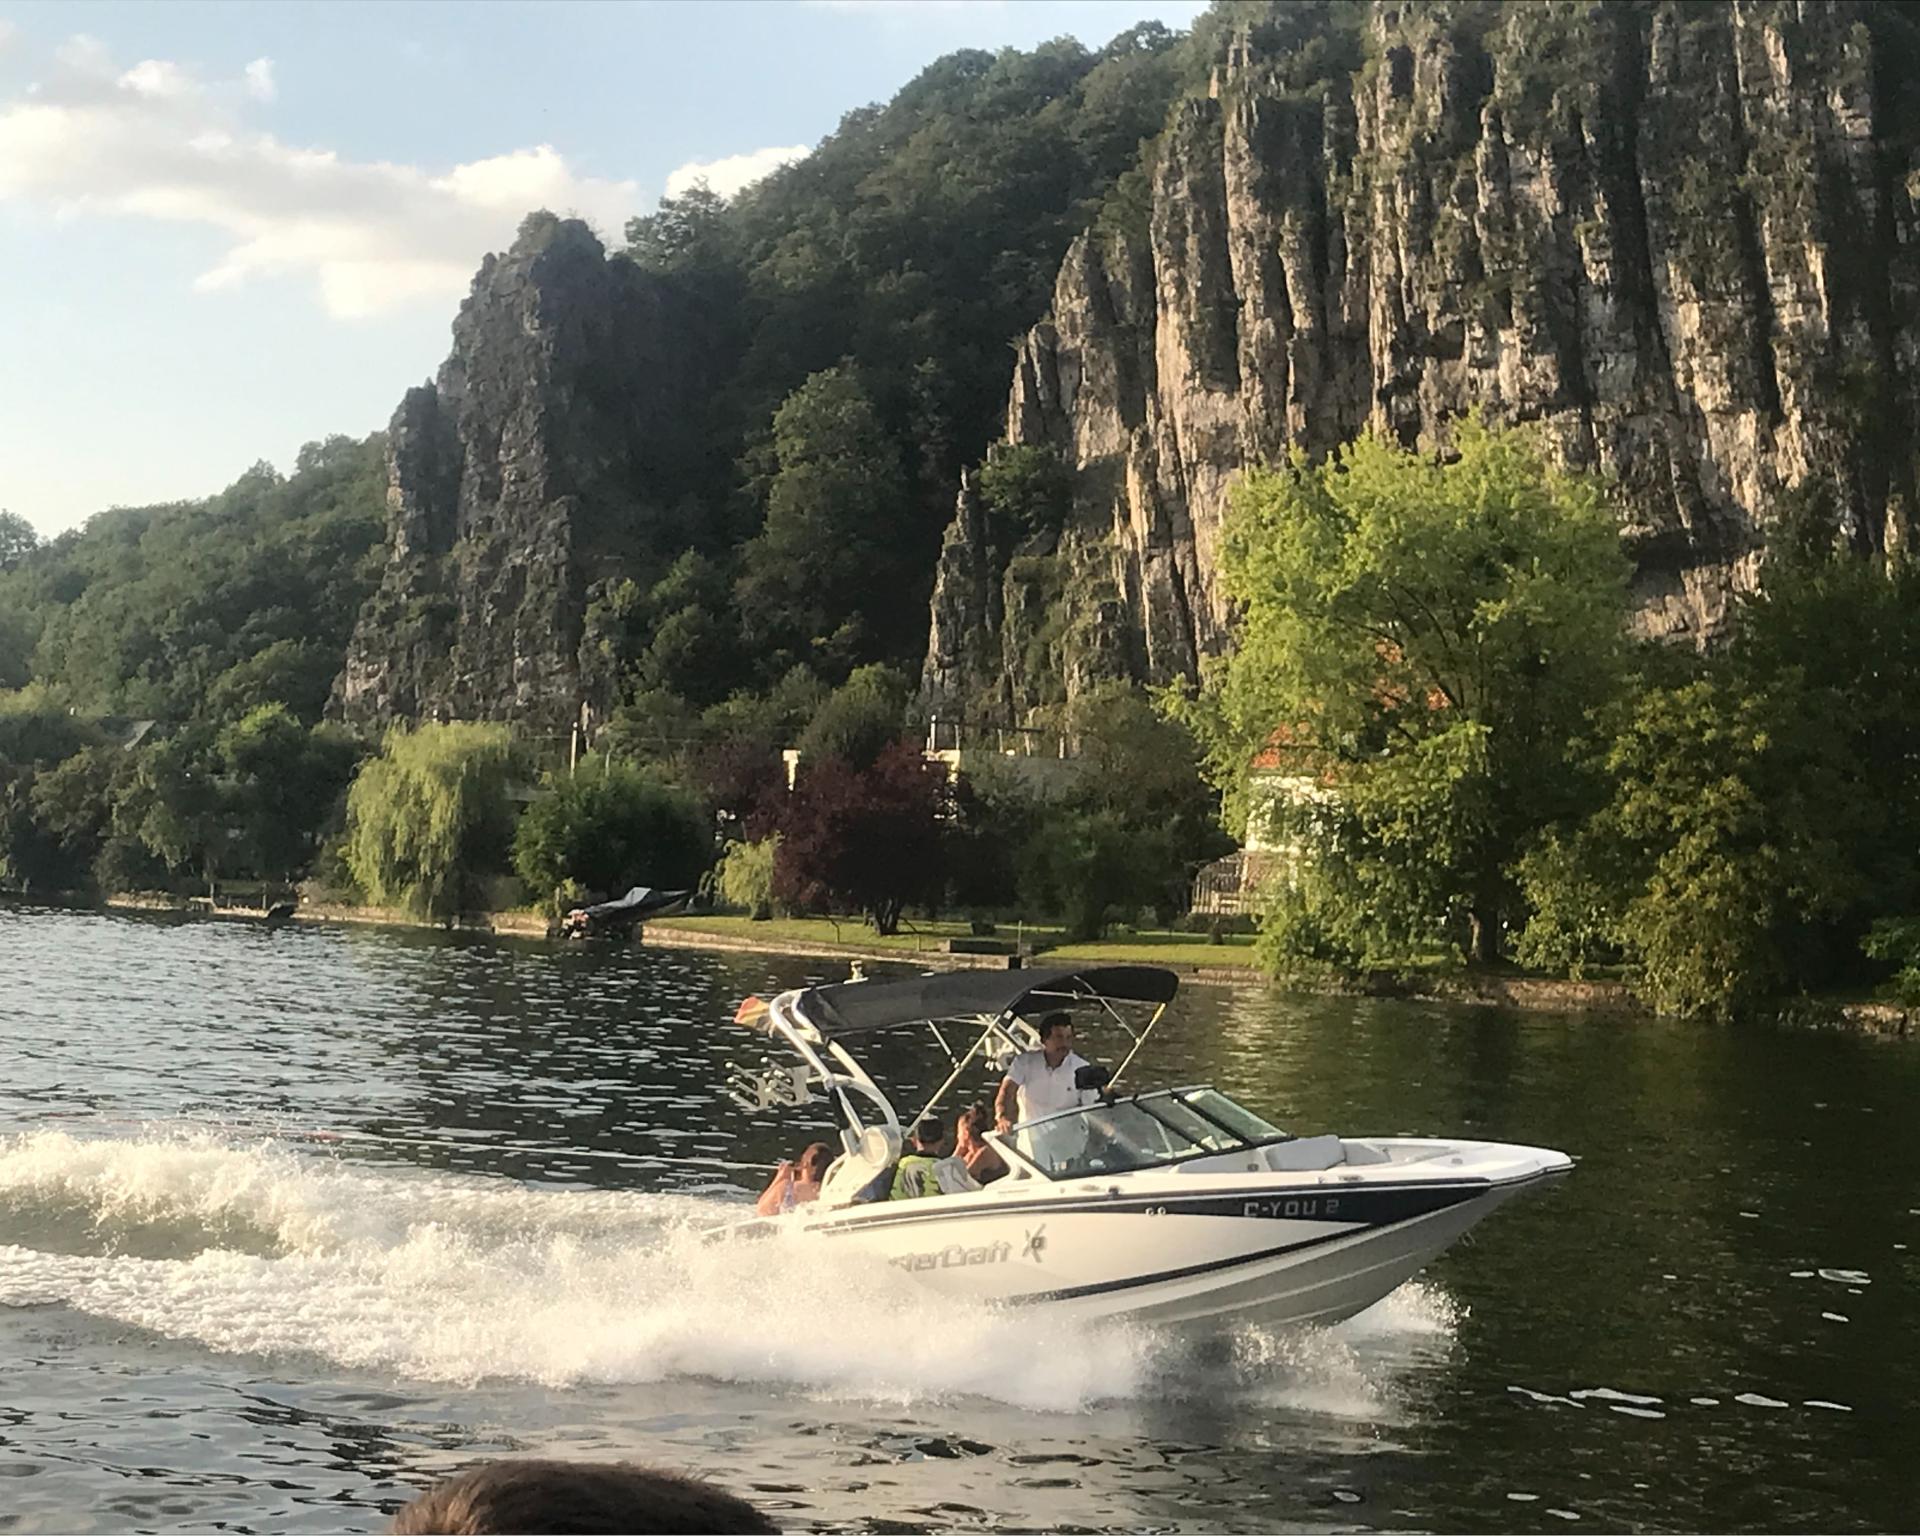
(446,820)
(1436,724)
(1462,751)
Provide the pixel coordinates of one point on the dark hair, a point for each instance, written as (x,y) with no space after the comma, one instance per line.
(974,1115)
(817,1154)
(572,1496)
(1051,1021)
(930,1132)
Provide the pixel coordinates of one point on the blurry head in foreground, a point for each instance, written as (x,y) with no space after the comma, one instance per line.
(572,1496)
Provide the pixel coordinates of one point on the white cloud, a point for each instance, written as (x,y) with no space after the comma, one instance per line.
(259,76)
(8,32)
(83,55)
(157,142)
(159,77)
(733,172)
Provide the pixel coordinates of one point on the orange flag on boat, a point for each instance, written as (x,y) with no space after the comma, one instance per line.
(751,1014)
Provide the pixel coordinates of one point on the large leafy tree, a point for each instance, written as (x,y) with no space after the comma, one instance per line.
(1759,820)
(610,826)
(820,583)
(1424,637)
(282,782)
(429,819)
(1124,833)
(37,734)
(1727,831)
(18,539)
(174,804)
(860,719)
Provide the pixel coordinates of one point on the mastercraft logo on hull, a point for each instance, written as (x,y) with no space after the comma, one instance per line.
(954,1256)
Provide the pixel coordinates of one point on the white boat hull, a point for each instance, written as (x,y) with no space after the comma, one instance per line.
(1195,1248)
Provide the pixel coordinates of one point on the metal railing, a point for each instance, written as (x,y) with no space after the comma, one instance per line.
(954,735)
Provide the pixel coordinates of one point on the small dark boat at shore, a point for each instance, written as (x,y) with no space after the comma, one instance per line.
(620,916)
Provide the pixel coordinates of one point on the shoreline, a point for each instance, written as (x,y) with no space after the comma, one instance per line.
(1536,994)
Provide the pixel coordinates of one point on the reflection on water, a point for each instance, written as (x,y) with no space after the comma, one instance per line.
(291,1224)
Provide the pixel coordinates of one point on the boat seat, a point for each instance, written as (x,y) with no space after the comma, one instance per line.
(875,1151)
(1306,1154)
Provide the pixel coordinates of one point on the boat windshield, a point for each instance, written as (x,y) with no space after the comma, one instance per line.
(1242,1122)
(1147,1132)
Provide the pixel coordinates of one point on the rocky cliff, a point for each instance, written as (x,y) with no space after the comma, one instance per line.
(526,473)
(1681,237)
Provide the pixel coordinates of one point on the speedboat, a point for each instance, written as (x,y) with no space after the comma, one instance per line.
(1172,1206)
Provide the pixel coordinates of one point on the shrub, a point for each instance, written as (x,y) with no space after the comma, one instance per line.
(612,826)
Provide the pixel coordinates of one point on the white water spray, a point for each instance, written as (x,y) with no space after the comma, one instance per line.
(262,1250)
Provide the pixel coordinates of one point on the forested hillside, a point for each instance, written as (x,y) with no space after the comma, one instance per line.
(205,608)
(652,481)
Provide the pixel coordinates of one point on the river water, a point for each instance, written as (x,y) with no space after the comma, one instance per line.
(292,1224)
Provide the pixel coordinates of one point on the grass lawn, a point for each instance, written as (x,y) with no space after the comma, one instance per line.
(849,933)
(1235,949)
(922,935)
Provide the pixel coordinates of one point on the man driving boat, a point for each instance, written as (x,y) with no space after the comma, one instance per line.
(1040,1082)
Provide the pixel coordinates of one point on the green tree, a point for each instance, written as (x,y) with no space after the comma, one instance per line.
(18,539)
(1726,836)
(609,827)
(174,805)
(296,674)
(859,719)
(1127,832)
(282,781)
(210,607)
(1028,490)
(1759,822)
(822,580)
(688,233)
(38,733)
(72,809)
(1423,638)
(429,819)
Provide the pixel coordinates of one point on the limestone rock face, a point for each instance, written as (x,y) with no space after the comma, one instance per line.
(517,479)
(1681,237)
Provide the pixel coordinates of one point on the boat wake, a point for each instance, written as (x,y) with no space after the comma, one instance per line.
(264,1249)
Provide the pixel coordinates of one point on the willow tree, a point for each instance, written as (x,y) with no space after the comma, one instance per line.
(429,819)
(1422,641)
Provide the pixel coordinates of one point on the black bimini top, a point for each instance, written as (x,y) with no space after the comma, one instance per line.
(856,1007)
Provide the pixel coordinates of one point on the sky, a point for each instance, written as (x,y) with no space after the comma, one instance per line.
(227,229)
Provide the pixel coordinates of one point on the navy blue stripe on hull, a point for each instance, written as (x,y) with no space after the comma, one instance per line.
(1108,1287)
(1374,1206)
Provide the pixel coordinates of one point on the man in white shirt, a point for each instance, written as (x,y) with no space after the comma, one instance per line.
(1040,1082)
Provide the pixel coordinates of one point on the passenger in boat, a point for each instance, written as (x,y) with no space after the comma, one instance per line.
(913,1175)
(1040,1082)
(977,1158)
(796,1183)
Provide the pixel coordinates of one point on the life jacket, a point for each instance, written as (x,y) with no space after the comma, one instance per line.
(914,1177)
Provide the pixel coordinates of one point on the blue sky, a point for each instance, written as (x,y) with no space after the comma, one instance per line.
(228,228)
